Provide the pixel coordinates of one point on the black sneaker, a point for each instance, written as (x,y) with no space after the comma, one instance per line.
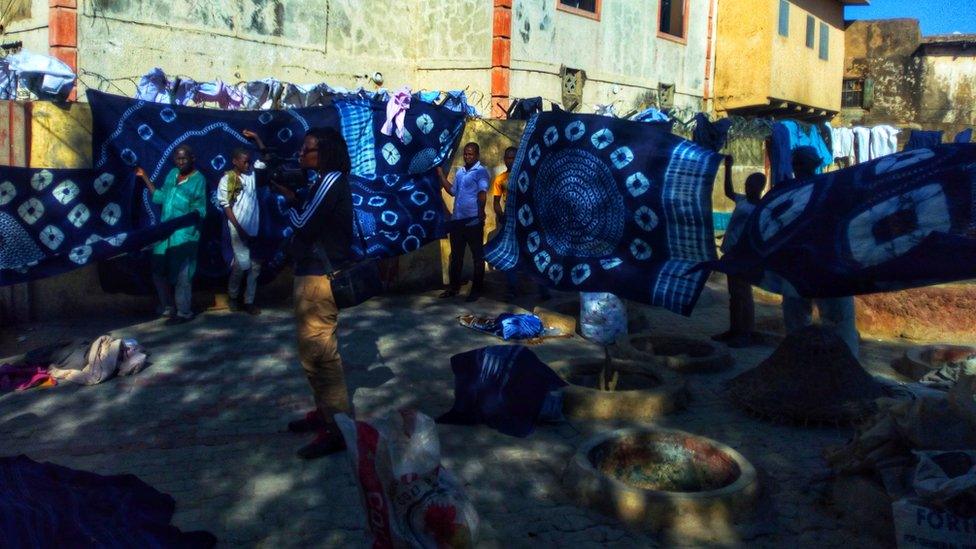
(328,441)
(251,309)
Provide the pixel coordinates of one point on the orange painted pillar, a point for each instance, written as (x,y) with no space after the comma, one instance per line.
(501,57)
(63,34)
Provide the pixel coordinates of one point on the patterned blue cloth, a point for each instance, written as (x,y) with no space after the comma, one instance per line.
(603,204)
(502,386)
(396,194)
(54,221)
(901,221)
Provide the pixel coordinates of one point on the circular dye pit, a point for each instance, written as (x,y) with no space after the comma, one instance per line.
(918,361)
(662,479)
(629,390)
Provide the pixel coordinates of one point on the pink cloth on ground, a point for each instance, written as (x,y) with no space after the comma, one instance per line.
(19,377)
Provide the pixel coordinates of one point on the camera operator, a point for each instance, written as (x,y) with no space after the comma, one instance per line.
(322,220)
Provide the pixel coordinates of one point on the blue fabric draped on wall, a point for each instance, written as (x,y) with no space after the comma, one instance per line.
(396,195)
(608,205)
(901,221)
(53,221)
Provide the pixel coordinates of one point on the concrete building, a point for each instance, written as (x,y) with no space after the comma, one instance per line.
(781,58)
(894,75)
(630,53)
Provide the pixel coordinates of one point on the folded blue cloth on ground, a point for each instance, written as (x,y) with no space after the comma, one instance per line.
(518,326)
(502,386)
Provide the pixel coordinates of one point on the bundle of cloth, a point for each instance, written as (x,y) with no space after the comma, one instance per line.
(80,361)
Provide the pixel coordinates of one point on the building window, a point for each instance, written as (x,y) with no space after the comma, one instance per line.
(586,8)
(824,41)
(784,18)
(811,31)
(852,97)
(672,18)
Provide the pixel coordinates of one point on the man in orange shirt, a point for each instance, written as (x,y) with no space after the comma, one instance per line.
(499,190)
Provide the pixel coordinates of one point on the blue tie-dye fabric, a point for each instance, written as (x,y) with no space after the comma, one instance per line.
(609,205)
(502,386)
(901,221)
(54,221)
(396,197)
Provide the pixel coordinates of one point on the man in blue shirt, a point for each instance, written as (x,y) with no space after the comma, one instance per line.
(470,191)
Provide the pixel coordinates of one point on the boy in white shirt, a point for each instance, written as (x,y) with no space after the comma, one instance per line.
(237,195)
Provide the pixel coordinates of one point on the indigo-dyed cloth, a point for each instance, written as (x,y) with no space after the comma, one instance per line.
(47,505)
(964,136)
(711,135)
(788,136)
(502,386)
(920,139)
(54,221)
(602,204)
(901,221)
(396,192)
(127,133)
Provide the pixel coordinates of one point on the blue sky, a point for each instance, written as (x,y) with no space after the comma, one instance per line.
(936,16)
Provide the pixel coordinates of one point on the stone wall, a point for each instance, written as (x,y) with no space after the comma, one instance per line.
(918,82)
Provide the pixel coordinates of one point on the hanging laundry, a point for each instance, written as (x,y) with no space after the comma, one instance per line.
(260,94)
(502,386)
(604,204)
(842,144)
(226,97)
(605,110)
(897,222)
(54,221)
(8,81)
(923,140)
(155,87)
(964,136)
(788,136)
(862,142)
(884,141)
(45,76)
(457,100)
(523,109)
(429,96)
(396,112)
(306,95)
(711,135)
(186,91)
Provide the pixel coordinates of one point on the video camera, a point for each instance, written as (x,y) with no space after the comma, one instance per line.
(282,170)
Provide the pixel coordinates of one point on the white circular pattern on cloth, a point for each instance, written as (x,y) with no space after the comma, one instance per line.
(41,180)
(52,237)
(129,157)
(551,136)
(645,218)
(80,254)
(66,191)
(31,210)
(103,183)
(425,123)
(168,115)
(79,215)
(575,130)
(601,138)
(637,184)
(391,154)
(640,250)
(111,213)
(7,192)
(145,132)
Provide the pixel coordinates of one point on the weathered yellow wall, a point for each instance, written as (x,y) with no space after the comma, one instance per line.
(622,55)
(743,53)
(754,63)
(60,135)
(798,73)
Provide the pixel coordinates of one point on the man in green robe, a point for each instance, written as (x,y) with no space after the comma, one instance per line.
(174,259)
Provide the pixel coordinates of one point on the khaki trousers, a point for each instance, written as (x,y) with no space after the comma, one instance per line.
(316,318)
